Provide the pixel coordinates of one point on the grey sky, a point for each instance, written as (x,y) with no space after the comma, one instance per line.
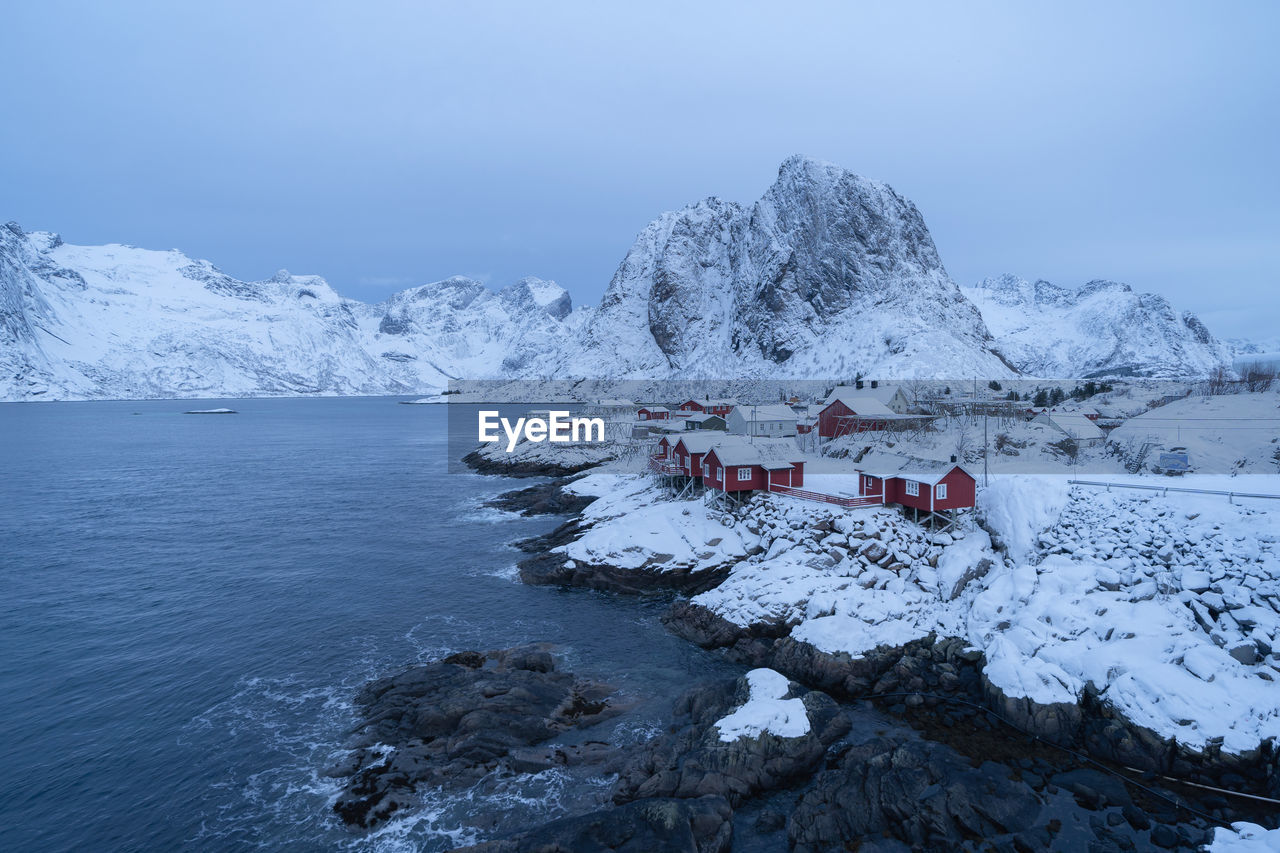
(384,145)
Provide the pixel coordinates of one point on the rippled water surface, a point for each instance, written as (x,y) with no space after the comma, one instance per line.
(190,601)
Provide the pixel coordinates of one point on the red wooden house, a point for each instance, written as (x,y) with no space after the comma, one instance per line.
(687,451)
(742,466)
(922,485)
(654,413)
(708,406)
(849,415)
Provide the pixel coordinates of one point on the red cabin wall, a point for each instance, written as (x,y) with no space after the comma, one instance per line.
(920,501)
(828,418)
(962,491)
(829,421)
(733,484)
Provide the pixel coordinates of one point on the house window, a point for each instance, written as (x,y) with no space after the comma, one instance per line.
(744,474)
(940,492)
(913,488)
(867,487)
(706,470)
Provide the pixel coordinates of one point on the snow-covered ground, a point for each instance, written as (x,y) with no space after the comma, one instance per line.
(1168,604)
(633,527)
(1236,433)
(1244,837)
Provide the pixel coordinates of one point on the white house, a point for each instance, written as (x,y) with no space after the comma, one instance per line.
(773,421)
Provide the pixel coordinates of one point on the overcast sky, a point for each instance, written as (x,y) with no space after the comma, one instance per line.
(384,145)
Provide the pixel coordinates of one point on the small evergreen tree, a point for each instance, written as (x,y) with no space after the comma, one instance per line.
(993,385)
(1041,399)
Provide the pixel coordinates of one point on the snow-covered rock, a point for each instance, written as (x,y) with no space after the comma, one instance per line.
(827,274)
(1169,605)
(1102,328)
(766,710)
(633,528)
(1244,837)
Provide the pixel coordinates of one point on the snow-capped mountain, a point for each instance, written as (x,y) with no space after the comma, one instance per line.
(1102,328)
(829,273)
(1246,354)
(458,328)
(115,321)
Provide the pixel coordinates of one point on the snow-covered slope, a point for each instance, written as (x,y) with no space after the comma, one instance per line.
(828,274)
(458,328)
(115,321)
(1100,329)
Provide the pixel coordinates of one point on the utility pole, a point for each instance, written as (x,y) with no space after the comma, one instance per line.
(985,482)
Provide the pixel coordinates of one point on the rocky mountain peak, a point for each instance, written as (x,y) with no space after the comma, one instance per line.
(535,293)
(827,272)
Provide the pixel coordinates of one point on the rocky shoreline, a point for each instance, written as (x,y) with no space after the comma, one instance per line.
(985,771)
(938,685)
(521,468)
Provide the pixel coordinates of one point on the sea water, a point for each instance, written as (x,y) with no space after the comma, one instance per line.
(190,602)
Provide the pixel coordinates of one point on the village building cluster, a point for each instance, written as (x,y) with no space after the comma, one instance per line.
(731,449)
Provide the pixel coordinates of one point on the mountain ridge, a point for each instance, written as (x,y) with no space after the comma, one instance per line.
(827,274)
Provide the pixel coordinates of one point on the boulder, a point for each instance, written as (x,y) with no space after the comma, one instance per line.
(918,793)
(702,825)
(450,722)
(692,760)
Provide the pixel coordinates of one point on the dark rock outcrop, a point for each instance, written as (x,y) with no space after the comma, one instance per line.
(919,793)
(555,569)
(548,498)
(940,687)
(522,468)
(452,721)
(700,825)
(691,760)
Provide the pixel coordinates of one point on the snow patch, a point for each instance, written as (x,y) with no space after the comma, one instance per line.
(765,710)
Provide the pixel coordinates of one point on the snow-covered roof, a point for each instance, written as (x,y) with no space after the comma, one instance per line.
(699,441)
(887,465)
(702,417)
(736,450)
(653,408)
(884,392)
(862,405)
(712,401)
(1074,424)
